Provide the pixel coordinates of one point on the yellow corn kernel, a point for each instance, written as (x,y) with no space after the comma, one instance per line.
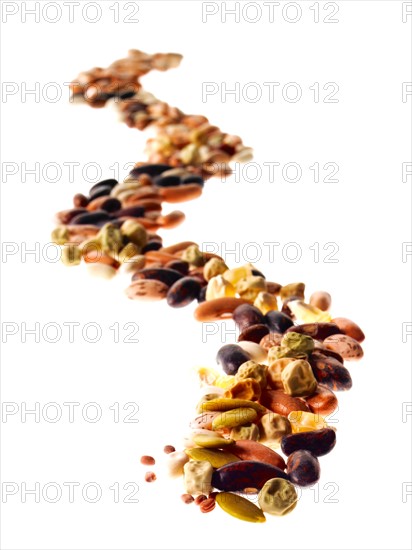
(218,287)
(266,302)
(305,313)
(306,422)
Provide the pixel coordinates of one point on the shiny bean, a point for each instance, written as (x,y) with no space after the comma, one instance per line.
(281,403)
(238,476)
(166,276)
(330,372)
(230,357)
(183,292)
(278,321)
(253,333)
(348,327)
(247,315)
(303,468)
(319,442)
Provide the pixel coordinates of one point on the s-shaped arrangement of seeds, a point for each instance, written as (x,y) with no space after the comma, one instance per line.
(276,384)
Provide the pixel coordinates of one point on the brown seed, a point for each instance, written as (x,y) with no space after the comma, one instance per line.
(180,193)
(150,477)
(281,403)
(349,328)
(273,288)
(168,449)
(207,505)
(80,200)
(323,401)
(171,220)
(270,340)
(220,308)
(187,499)
(147,289)
(320,299)
(147,460)
(200,498)
(254,333)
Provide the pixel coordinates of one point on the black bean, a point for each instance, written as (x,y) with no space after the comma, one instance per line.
(111,205)
(151,245)
(303,468)
(247,315)
(318,442)
(91,218)
(149,169)
(193,178)
(202,295)
(278,321)
(167,276)
(132,211)
(183,292)
(230,357)
(167,181)
(108,183)
(100,191)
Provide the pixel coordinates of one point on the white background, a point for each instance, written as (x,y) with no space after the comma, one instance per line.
(367,214)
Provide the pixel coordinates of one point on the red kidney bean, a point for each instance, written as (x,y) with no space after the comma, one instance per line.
(330,372)
(183,292)
(318,442)
(237,476)
(279,402)
(303,468)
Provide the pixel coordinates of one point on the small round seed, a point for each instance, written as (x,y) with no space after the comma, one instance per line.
(199,499)
(187,499)
(168,449)
(207,505)
(147,460)
(150,477)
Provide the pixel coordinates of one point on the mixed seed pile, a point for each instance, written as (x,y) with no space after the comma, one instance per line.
(278,380)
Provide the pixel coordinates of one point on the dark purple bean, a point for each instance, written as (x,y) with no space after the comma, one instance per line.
(202,295)
(107,183)
(278,321)
(65,216)
(80,200)
(111,205)
(132,211)
(303,468)
(100,191)
(254,333)
(330,372)
(245,474)
(179,265)
(149,169)
(319,331)
(318,442)
(230,357)
(193,178)
(167,181)
(166,276)
(247,315)
(183,292)
(91,218)
(151,245)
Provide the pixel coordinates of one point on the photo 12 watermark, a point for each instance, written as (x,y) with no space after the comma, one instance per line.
(70,12)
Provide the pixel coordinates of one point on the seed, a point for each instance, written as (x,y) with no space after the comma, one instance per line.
(321,300)
(150,477)
(168,449)
(318,442)
(207,505)
(147,289)
(147,460)
(214,310)
(183,292)
(233,418)
(226,404)
(216,457)
(278,497)
(246,316)
(187,499)
(238,476)
(164,275)
(199,499)
(240,507)
(230,357)
(349,328)
(278,321)
(346,346)
(330,372)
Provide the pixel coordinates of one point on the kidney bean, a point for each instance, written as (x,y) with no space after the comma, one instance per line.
(318,442)
(100,191)
(319,331)
(230,357)
(254,333)
(80,200)
(91,218)
(107,183)
(132,211)
(66,216)
(179,265)
(279,402)
(330,372)
(166,276)
(247,315)
(149,169)
(183,292)
(278,321)
(237,476)
(193,178)
(349,328)
(151,245)
(167,181)
(303,468)
(323,401)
